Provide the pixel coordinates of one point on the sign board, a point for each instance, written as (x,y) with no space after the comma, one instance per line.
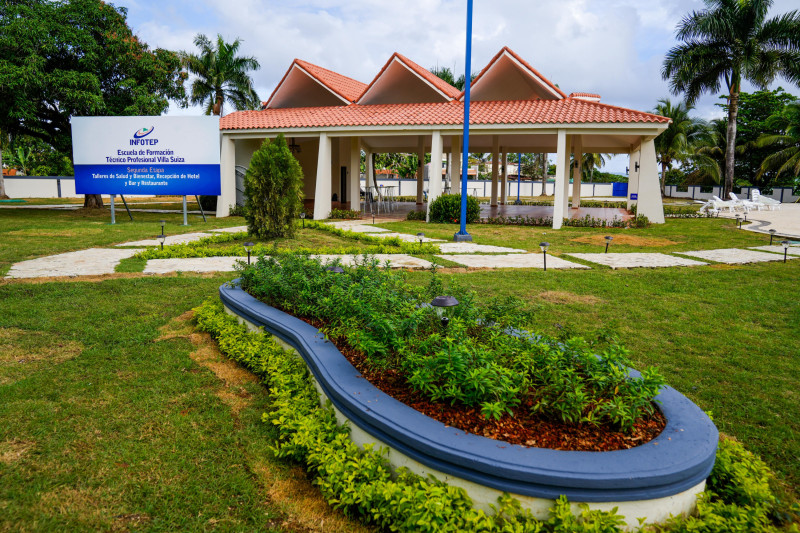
(634,196)
(146,155)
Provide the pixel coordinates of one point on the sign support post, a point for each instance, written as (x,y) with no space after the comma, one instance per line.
(130,216)
(113,217)
(202,212)
(185,220)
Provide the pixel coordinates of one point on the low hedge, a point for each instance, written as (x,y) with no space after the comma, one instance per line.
(447,209)
(361,483)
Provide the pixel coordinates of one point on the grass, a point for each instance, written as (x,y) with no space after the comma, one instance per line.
(117,416)
(30,233)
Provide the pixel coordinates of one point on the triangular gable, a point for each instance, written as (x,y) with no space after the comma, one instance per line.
(308,85)
(509,77)
(401,81)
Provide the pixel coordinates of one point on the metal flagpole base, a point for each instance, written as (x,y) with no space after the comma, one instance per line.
(462,237)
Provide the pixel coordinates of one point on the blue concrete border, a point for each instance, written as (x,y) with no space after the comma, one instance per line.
(678,459)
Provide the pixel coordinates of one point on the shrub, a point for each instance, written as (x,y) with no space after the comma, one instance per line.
(273,186)
(415,215)
(447,209)
(345,214)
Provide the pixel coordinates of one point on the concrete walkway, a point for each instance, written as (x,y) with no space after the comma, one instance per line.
(785,221)
(91,262)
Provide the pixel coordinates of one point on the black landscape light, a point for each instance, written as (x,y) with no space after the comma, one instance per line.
(161,238)
(303,218)
(785,249)
(739,220)
(440,303)
(248,246)
(163,223)
(335,269)
(544,246)
(772,233)
(421,237)
(745,217)
(608,238)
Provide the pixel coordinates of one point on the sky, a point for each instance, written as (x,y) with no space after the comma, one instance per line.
(611,47)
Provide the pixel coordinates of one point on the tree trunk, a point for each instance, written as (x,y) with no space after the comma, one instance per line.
(3,194)
(93,201)
(730,144)
(544,175)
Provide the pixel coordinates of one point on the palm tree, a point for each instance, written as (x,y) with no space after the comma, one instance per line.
(674,143)
(787,158)
(732,40)
(708,154)
(591,161)
(221,75)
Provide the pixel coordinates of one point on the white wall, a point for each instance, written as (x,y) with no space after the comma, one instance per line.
(35,187)
(408,187)
(782,194)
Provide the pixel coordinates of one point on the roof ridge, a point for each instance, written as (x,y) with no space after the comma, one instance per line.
(439,84)
(612,106)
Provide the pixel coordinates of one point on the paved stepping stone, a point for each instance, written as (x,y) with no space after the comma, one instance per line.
(792,250)
(734,256)
(192,264)
(405,237)
(171,239)
(91,262)
(472,248)
(511,261)
(236,229)
(637,260)
(357,226)
(395,260)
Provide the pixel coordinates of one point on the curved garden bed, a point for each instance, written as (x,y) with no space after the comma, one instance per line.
(660,477)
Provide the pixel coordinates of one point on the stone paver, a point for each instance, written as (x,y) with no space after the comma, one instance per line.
(235,229)
(472,248)
(395,260)
(192,264)
(734,256)
(91,262)
(511,261)
(778,249)
(357,226)
(171,239)
(405,237)
(637,260)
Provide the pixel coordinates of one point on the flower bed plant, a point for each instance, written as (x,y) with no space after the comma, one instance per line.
(473,361)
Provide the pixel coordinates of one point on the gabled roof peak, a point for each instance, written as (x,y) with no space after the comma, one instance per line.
(404,81)
(509,77)
(317,86)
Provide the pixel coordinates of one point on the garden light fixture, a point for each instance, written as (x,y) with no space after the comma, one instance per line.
(161,238)
(421,237)
(163,223)
(608,238)
(785,249)
(248,246)
(303,218)
(772,233)
(544,246)
(335,269)
(442,302)
(739,220)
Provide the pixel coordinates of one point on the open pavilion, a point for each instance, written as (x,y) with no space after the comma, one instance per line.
(330,118)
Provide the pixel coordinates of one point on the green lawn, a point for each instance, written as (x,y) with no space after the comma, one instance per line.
(106,427)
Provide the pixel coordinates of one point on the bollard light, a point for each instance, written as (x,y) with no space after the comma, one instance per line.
(248,246)
(772,233)
(161,238)
(440,303)
(739,220)
(609,238)
(544,246)
(421,237)
(163,223)
(335,269)
(303,218)
(785,249)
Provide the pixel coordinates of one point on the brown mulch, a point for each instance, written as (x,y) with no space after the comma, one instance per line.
(523,428)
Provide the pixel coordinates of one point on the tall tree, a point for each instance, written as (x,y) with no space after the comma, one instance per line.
(674,143)
(447,75)
(221,75)
(77,58)
(732,40)
(786,160)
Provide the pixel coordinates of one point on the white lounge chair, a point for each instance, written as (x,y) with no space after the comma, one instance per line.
(766,202)
(730,205)
(748,205)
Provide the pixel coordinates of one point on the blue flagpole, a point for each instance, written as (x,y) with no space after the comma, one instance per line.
(519,176)
(462,234)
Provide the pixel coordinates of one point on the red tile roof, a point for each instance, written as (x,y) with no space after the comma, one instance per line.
(450,91)
(584,95)
(566,111)
(513,54)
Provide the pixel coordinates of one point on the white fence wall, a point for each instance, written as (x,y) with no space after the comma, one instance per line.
(782,194)
(40,187)
(408,187)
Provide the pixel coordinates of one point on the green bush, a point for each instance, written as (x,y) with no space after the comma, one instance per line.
(447,209)
(416,215)
(345,214)
(273,186)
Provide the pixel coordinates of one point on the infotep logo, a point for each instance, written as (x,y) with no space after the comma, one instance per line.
(138,137)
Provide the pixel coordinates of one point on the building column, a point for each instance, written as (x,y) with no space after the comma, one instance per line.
(322,189)
(577,144)
(633,176)
(504,190)
(227,167)
(562,178)
(435,174)
(420,169)
(649,192)
(495,169)
(455,156)
(370,164)
(354,174)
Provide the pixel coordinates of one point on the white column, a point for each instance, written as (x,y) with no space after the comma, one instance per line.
(322,189)
(504,190)
(649,192)
(633,176)
(562,168)
(455,156)
(577,144)
(495,169)
(435,175)
(420,168)
(354,174)
(227,167)
(370,164)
